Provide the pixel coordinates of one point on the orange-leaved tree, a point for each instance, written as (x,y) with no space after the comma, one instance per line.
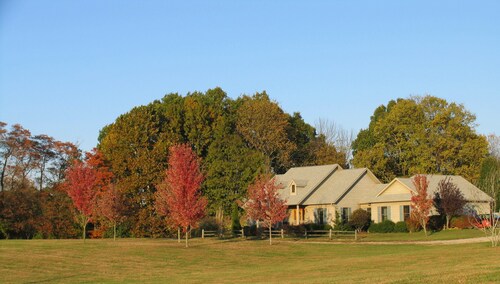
(264,203)
(178,197)
(80,185)
(111,205)
(421,203)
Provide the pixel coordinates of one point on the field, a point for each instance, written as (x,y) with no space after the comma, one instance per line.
(289,261)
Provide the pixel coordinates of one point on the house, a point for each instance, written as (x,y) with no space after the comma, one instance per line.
(315,194)
(393,201)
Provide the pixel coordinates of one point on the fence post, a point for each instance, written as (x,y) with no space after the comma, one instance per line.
(202,233)
(355,235)
(330,234)
(282,234)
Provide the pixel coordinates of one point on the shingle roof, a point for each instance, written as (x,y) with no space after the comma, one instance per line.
(333,188)
(387,198)
(470,191)
(322,184)
(309,179)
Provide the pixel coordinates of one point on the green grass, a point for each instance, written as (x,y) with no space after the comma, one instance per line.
(420,236)
(166,261)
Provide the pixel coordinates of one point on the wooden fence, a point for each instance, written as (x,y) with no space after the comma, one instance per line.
(222,234)
(331,234)
(274,233)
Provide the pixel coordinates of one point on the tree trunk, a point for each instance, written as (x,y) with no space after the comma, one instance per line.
(270,235)
(424,225)
(179,235)
(187,237)
(114,231)
(447,222)
(84,227)
(2,175)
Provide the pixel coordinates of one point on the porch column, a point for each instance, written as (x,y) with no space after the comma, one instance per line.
(298,215)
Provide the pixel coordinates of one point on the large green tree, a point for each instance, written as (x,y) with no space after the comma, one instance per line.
(263,125)
(421,135)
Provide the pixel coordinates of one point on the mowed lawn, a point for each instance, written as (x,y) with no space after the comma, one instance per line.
(216,261)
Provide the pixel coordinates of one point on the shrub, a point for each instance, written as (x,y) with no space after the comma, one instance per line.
(413,225)
(343,227)
(462,222)
(436,223)
(235,218)
(360,220)
(386,226)
(400,227)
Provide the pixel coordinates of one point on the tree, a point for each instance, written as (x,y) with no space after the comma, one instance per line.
(45,152)
(178,196)
(489,170)
(360,219)
(111,206)
(421,134)
(58,214)
(337,136)
(262,123)
(230,168)
(494,145)
(421,204)
(80,186)
(20,212)
(264,203)
(450,199)
(490,184)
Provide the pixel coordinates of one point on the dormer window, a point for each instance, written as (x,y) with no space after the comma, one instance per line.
(293,188)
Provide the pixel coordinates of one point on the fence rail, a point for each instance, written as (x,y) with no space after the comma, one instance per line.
(222,234)
(274,233)
(330,234)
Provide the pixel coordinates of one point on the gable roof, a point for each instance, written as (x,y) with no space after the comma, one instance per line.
(322,184)
(309,179)
(470,191)
(406,182)
(337,186)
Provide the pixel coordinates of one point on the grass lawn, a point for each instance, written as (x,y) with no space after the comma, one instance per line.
(420,236)
(166,261)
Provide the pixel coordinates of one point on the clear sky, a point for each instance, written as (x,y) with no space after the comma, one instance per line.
(67,68)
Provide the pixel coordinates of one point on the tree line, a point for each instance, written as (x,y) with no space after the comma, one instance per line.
(236,140)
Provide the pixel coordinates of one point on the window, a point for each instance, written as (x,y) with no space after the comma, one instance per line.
(345,213)
(320,216)
(293,188)
(369,210)
(384,213)
(406,212)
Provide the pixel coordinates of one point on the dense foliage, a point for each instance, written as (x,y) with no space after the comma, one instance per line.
(449,200)
(236,139)
(421,135)
(421,202)
(178,196)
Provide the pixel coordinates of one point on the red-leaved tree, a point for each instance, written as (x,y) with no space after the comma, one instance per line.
(264,203)
(421,203)
(178,197)
(111,206)
(80,185)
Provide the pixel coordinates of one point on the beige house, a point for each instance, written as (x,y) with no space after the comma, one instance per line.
(393,201)
(314,194)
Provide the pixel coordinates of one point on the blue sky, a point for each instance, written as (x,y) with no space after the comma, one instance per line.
(67,68)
